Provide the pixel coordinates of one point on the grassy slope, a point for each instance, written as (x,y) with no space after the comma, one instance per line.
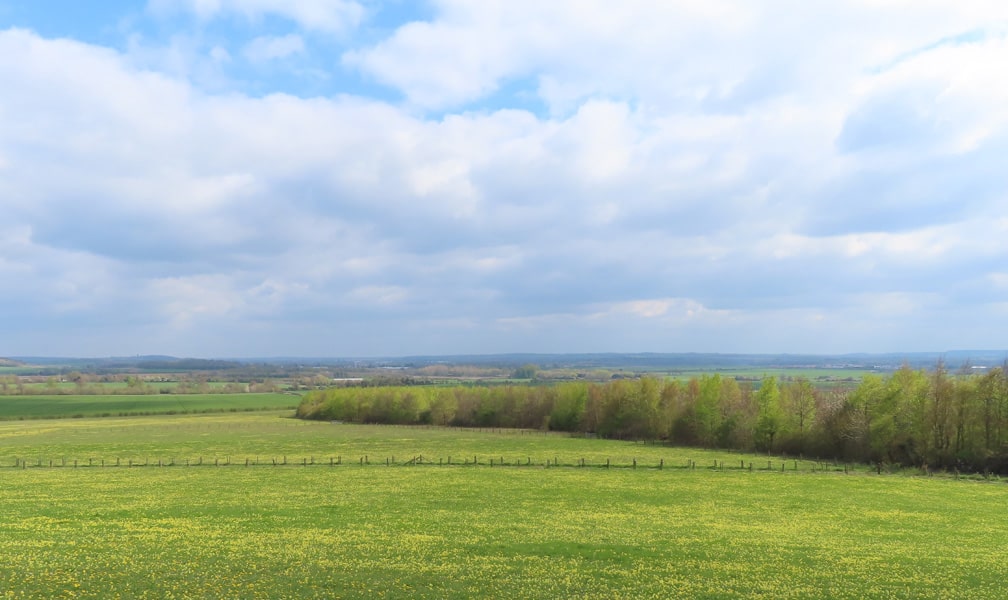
(440,532)
(436,532)
(275,434)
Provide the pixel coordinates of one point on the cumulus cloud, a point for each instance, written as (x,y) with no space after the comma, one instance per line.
(267,48)
(331,16)
(716,177)
(722,55)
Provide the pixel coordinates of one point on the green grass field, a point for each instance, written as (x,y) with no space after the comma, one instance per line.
(58,406)
(819,375)
(461,531)
(68,387)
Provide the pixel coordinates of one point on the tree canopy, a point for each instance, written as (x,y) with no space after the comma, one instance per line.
(930,418)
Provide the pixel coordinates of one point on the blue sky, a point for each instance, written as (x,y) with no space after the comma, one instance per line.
(363,178)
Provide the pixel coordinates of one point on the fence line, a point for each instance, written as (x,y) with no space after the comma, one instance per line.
(418,460)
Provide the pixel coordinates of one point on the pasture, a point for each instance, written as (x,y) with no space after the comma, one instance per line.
(353,530)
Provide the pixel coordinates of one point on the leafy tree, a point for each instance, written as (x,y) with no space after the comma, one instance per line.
(770,416)
(906,392)
(966,417)
(442,407)
(569,407)
(525,372)
(992,390)
(707,411)
(869,420)
(738,414)
(684,426)
(939,415)
(670,406)
(800,402)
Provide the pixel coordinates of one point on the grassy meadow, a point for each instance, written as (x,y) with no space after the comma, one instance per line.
(437,531)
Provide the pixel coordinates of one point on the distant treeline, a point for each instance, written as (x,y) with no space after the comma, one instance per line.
(927,418)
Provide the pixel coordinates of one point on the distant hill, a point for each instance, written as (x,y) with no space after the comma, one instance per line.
(639,361)
(144,363)
(953,359)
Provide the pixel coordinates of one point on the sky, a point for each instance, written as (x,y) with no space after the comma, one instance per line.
(246,178)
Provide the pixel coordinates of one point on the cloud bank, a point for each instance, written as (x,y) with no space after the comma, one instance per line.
(507,176)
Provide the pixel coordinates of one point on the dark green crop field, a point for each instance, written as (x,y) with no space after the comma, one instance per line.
(60,406)
(398,529)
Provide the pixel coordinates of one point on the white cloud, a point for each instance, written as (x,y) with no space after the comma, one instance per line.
(680,55)
(185,299)
(669,308)
(384,295)
(331,16)
(220,55)
(998,280)
(267,48)
(948,98)
(472,48)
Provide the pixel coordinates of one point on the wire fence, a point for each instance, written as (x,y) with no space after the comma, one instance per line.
(420,460)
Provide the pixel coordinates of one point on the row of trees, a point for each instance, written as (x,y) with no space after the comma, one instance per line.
(913,417)
(932,418)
